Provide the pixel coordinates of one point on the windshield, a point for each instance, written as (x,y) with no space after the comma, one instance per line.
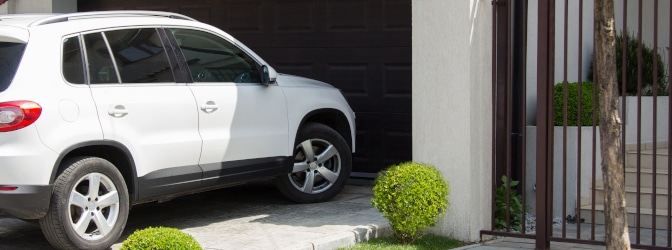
(10,56)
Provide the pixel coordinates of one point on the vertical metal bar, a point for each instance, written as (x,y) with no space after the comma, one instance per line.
(639,124)
(544,130)
(655,119)
(524,117)
(594,162)
(508,116)
(624,62)
(551,81)
(494,116)
(578,162)
(564,123)
(624,79)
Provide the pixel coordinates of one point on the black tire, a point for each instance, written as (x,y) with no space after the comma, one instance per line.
(60,223)
(330,167)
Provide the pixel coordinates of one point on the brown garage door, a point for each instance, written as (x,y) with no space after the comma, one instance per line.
(362,47)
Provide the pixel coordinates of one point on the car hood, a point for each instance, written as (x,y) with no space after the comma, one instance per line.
(297,81)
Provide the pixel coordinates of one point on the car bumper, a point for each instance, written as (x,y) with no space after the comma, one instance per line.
(26,201)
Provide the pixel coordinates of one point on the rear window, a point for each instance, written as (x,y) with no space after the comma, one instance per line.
(10,56)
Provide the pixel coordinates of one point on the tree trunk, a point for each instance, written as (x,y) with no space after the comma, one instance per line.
(616,227)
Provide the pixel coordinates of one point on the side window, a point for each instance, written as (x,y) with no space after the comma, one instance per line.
(73,68)
(10,57)
(140,56)
(101,67)
(213,59)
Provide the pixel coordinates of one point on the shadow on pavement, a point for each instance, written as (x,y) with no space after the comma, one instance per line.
(250,216)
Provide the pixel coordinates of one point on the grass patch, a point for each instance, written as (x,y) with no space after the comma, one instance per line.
(427,242)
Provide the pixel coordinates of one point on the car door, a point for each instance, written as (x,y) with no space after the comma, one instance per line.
(141,106)
(243,123)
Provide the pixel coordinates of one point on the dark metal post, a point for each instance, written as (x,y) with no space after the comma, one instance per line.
(544,127)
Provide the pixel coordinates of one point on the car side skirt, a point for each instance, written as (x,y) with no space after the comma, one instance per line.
(171,182)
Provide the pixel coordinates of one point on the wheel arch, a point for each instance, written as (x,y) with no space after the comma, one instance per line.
(113,151)
(333,118)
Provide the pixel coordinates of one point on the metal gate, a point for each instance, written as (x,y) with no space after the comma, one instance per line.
(546,134)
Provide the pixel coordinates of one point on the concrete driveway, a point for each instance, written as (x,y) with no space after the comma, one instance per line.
(251,216)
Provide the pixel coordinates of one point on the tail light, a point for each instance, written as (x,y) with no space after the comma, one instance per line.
(8,188)
(18,114)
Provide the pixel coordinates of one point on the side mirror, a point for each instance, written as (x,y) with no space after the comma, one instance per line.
(268,75)
(265,77)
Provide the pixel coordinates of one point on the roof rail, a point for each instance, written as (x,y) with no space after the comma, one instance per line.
(114,13)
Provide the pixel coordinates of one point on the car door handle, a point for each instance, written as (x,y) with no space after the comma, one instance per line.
(118,111)
(209,107)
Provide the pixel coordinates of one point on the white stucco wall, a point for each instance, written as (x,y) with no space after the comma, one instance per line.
(531,66)
(648,11)
(573,42)
(646,123)
(452,106)
(572,48)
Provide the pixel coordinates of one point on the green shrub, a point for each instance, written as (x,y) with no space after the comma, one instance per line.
(573,104)
(412,197)
(160,238)
(515,206)
(631,67)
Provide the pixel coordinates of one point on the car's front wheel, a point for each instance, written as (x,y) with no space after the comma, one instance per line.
(89,206)
(322,165)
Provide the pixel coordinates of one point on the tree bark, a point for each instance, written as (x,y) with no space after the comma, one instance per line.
(616,227)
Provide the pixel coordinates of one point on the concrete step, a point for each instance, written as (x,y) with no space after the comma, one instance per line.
(646,160)
(646,178)
(646,216)
(645,199)
(646,145)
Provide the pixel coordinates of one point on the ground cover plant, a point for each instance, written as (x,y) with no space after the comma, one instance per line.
(427,242)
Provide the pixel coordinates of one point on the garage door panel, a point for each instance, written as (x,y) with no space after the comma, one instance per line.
(201,13)
(307,39)
(351,78)
(245,17)
(382,140)
(381,56)
(348,15)
(294,16)
(396,15)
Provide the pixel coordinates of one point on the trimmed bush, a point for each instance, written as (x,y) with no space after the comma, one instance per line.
(573,104)
(631,67)
(160,238)
(412,197)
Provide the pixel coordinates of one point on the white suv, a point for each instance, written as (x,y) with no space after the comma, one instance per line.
(103,110)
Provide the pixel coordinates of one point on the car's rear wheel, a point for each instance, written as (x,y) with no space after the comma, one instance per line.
(89,206)
(322,165)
